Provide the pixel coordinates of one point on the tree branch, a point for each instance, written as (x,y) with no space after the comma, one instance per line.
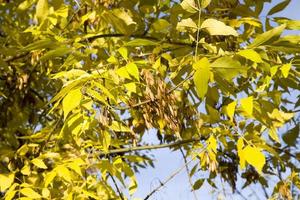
(188,173)
(116,185)
(172,176)
(142,36)
(150,147)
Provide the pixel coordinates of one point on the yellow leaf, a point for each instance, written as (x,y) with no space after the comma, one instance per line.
(45,192)
(42,9)
(215,27)
(250,54)
(273,134)
(28,192)
(64,173)
(212,144)
(201,76)
(49,178)
(10,193)
(25,170)
(6,180)
(230,109)
(39,163)
(71,101)
(122,72)
(254,157)
(240,145)
(130,87)
(74,166)
(285,69)
(133,70)
(247,105)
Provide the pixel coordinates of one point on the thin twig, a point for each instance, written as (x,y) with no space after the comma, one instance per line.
(188,173)
(198,30)
(172,176)
(116,185)
(150,147)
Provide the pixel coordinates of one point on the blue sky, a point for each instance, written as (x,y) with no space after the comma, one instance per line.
(166,162)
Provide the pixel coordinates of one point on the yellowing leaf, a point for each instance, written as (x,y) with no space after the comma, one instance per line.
(133,70)
(267,37)
(247,105)
(230,109)
(250,54)
(215,27)
(189,6)
(71,101)
(42,9)
(6,180)
(39,163)
(285,69)
(10,193)
(254,157)
(201,76)
(28,192)
(228,68)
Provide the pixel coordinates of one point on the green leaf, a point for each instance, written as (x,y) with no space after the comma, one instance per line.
(133,70)
(247,105)
(254,157)
(267,37)
(39,163)
(197,185)
(290,137)
(189,6)
(161,25)
(228,68)
(279,7)
(71,101)
(215,27)
(40,44)
(61,51)
(250,54)
(140,42)
(28,192)
(201,76)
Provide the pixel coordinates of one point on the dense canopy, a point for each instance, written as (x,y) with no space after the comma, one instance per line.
(82,81)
